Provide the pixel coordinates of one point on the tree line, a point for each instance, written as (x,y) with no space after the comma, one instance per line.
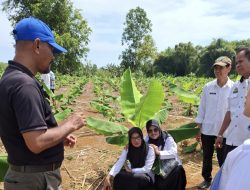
(140,53)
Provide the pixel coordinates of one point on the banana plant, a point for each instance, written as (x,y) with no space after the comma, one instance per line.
(184,132)
(60,116)
(138,109)
(3,166)
(183,95)
(135,107)
(190,98)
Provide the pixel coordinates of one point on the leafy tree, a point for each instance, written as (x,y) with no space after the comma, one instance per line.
(185,58)
(69,27)
(136,38)
(146,55)
(114,70)
(88,70)
(180,61)
(237,44)
(2,68)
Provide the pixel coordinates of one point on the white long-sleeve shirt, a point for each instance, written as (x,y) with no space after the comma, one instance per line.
(236,169)
(169,151)
(46,79)
(236,105)
(145,169)
(213,107)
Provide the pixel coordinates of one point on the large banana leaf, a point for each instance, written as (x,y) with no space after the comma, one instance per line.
(58,97)
(191,148)
(161,115)
(184,96)
(47,90)
(183,133)
(149,104)
(62,115)
(105,127)
(156,168)
(118,140)
(130,96)
(189,125)
(3,166)
(99,107)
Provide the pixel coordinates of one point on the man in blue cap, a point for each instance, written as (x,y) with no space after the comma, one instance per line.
(30,134)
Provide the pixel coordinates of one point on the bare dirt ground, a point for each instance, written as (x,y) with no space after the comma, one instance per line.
(86,165)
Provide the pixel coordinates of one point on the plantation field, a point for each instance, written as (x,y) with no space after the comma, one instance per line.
(86,165)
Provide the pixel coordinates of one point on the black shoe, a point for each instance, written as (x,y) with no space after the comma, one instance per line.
(204,185)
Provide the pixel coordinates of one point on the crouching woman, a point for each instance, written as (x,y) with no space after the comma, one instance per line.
(166,148)
(137,174)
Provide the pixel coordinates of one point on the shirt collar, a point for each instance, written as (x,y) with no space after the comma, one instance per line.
(20,67)
(227,83)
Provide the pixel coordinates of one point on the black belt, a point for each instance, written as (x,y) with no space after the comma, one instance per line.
(35,168)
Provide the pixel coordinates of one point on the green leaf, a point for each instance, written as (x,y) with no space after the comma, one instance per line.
(130,96)
(149,104)
(157,167)
(58,97)
(3,166)
(105,127)
(184,96)
(161,115)
(183,133)
(189,125)
(47,90)
(99,107)
(118,140)
(62,115)
(191,148)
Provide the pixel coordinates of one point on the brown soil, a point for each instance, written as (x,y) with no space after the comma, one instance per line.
(86,165)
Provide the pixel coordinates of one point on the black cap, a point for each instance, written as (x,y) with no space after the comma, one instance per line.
(152,122)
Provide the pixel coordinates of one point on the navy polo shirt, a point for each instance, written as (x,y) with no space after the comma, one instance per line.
(24,108)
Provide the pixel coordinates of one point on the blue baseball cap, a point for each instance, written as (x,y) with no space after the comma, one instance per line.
(32,28)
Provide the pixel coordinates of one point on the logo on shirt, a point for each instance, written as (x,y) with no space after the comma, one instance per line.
(235,90)
(214,93)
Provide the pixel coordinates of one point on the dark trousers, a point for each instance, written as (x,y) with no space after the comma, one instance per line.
(126,180)
(49,180)
(227,149)
(208,150)
(175,181)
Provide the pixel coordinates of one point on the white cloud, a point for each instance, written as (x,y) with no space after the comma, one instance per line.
(174,21)
(6,40)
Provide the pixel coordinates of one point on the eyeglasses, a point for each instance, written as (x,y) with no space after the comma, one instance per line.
(155,130)
(136,138)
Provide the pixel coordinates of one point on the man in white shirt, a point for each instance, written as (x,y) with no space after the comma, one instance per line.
(52,81)
(212,109)
(236,171)
(234,174)
(46,79)
(236,104)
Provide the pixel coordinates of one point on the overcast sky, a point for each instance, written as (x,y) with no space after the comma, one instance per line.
(174,21)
